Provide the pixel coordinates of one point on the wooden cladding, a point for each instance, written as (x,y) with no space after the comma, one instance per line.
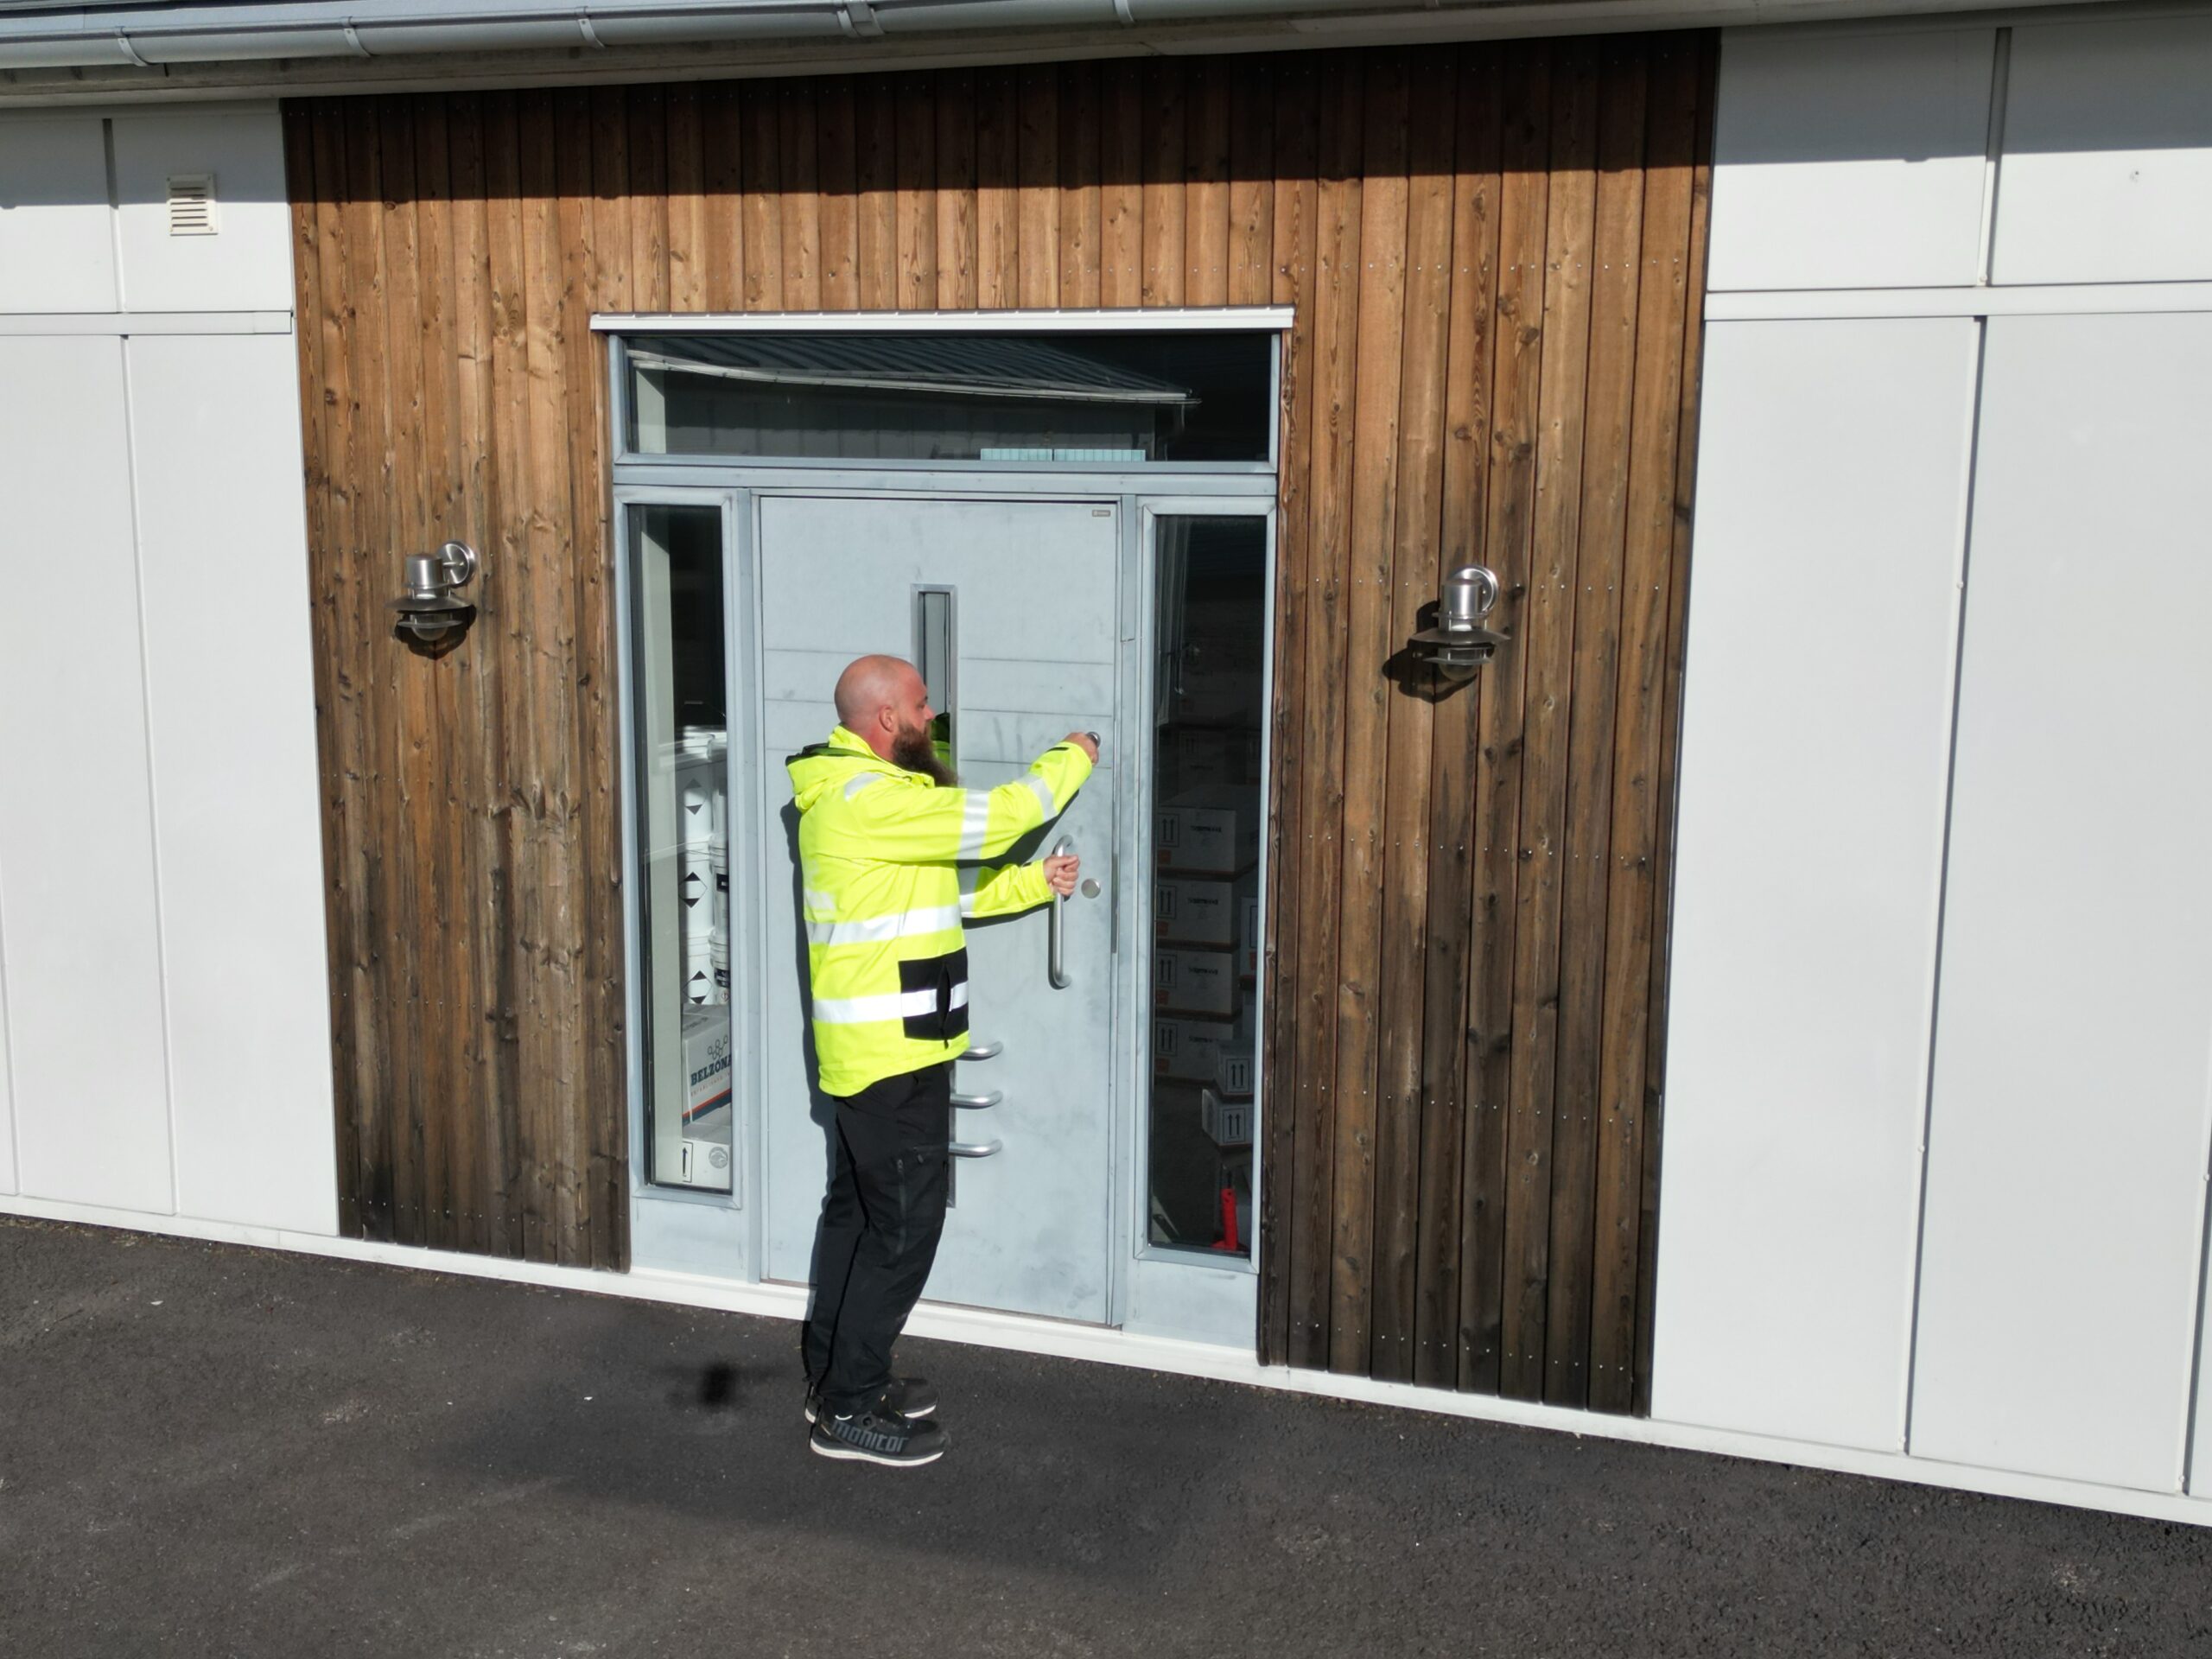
(1495,254)
(1499,270)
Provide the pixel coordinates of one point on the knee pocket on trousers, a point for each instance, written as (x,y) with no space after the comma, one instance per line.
(918,1208)
(904,1196)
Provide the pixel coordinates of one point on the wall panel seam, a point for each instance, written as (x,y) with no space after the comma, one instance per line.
(153,796)
(1934,998)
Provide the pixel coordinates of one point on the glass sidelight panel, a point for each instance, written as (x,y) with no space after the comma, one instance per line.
(683,738)
(1209,699)
(936,660)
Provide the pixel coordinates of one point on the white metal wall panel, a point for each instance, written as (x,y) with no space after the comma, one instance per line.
(77,883)
(1844,162)
(215,423)
(57,246)
(246,265)
(7,1091)
(2067,1153)
(2108,160)
(1822,629)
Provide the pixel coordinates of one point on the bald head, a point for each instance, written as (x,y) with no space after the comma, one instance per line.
(881,697)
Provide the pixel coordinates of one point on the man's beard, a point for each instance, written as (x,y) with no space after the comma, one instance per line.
(913,750)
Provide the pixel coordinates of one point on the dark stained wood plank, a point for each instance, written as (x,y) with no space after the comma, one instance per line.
(837,182)
(1165,117)
(1321,740)
(800,199)
(441,830)
(998,226)
(760,169)
(489,1106)
(1619,227)
(379,985)
(613,249)
(648,195)
(1205,172)
(1548,652)
(876,180)
(1369,550)
(1080,230)
(502,605)
(602,1210)
(1293,199)
(548,872)
(1120,138)
(1037,205)
(1445,1056)
(413,762)
(917,208)
(690,235)
(314,171)
(957,255)
(1416,582)
(722,180)
(1251,184)
(1524,147)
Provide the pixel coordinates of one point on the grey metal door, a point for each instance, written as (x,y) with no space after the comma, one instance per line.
(1016,602)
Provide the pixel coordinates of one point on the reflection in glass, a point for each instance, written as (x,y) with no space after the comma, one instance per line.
(1056,399)
(1209,697)
(683,818)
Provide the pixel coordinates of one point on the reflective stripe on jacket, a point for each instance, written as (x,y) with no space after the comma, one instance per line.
(889,864)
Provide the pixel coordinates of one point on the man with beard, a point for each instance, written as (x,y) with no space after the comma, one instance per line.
(893,855)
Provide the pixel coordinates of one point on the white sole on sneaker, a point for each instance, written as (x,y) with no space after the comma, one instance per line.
(853,1454)
(929,1411)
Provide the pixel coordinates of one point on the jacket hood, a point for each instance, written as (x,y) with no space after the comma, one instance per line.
(824,766)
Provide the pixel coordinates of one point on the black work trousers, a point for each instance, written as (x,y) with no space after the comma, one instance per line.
(880,1223)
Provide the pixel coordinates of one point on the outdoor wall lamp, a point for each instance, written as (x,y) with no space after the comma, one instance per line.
(1458,644)
(431,609)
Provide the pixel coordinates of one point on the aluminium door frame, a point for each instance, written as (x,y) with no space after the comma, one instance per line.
(1143,495)
(1182,1281)
(706,1227)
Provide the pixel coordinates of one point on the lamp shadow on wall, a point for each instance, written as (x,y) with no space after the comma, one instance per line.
(445,644)
(1415,676)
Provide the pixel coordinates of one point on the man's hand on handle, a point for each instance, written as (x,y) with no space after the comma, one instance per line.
(1060,870)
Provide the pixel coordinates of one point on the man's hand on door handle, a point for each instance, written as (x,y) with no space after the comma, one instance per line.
(1061,873)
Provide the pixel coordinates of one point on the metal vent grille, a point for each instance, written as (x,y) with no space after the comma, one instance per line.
(192,203)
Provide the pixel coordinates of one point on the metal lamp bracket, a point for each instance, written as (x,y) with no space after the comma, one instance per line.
(428,605)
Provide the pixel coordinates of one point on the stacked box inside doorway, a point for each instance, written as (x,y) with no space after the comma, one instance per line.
(702,884)
(1208,767)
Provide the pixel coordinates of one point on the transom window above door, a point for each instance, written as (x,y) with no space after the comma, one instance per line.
(1060,397)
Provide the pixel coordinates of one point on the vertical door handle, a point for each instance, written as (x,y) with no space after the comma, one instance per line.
(1055,938)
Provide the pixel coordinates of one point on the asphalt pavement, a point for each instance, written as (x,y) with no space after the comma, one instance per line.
(212,1450)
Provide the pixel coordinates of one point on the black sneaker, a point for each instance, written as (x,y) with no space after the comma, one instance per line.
(909,1396)
(877,1436)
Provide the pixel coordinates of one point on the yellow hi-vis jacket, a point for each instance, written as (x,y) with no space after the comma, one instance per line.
(889,864)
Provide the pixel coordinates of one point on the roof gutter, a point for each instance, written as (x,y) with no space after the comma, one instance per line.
(102,55)
(164,37)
